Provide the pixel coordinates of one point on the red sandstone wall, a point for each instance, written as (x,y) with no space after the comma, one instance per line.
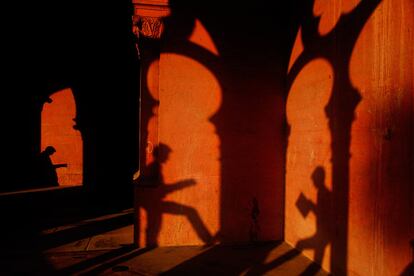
(350,110)
(57,130)
(349,195)
(223,122)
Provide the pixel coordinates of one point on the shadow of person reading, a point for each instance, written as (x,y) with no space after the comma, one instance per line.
(320,240)
(153,199)
(44,170)
(322,210)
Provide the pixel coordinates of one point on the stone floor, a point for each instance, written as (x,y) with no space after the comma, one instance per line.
(110,251)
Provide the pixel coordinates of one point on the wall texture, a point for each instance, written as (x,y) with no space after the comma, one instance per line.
(57,130)
(216,99)
(349,181)
(243,144)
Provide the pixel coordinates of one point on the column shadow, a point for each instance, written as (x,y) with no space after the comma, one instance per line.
(336,48)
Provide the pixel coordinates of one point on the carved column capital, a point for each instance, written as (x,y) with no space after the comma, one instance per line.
(148,17)
(148,26)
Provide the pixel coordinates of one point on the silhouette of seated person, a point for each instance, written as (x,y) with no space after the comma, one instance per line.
(154,191)
(322,210)
(45,170)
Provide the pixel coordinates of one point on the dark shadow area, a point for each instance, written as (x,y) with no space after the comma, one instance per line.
(29,254)
(40,172)
(255,225)
(99,264)
(26,240)
(247,259)
(151,193)
(261,269)
(88,47)
(44,171)
(84,230)
(409,270)
(231,260)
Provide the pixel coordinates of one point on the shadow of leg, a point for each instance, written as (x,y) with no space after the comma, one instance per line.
(153,228)
(192,216)
(319,248)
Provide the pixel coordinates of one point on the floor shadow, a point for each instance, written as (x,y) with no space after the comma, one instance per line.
(261,269)
(84,230)
(231,260)
(100,263)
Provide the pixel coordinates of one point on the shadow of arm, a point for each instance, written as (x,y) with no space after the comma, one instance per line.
(179,185)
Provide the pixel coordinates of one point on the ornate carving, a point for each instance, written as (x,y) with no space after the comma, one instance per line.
(147,26)
(147,19)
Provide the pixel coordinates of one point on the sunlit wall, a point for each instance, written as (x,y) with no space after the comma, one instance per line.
(215,98)
(350,111)
(188,94)
(57,130)
(381,220)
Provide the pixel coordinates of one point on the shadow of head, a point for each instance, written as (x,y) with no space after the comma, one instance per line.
(49,150)
(161,153)
(318,177)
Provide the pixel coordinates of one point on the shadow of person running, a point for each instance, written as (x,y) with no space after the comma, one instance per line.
(154,190)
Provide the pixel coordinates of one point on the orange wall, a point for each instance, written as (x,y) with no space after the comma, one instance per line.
(57,130)
(350,111)
(216,95)
(223,120)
